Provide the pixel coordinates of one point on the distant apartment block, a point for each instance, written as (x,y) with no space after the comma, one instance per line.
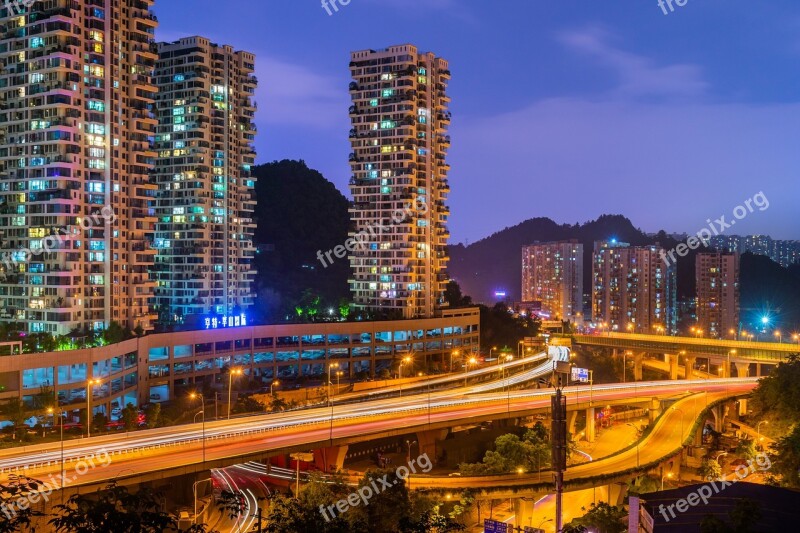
(552,273)
(399,184)
(633,290)
(717,276)
(783,252)
(76,129)
(205,205)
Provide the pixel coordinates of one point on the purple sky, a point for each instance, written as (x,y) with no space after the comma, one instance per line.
(566,109)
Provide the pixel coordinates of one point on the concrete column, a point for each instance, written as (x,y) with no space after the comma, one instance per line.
(673,366)
(427,442)
(523,510)
(590,427)
(655,409)
(726,369)
(690,362)
(331,458)
(573,418)
(742,406)
(742,369)
(637,366)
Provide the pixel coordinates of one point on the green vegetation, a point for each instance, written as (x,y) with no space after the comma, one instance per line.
(531,453)
(777,401)
(601,518)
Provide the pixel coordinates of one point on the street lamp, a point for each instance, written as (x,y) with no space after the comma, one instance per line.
(275,382)
(330,366)
(778,334)
(232,372)
(195,396)
(405,361)
(89,392)
(61,426)
(492,349)
(194,492)
(471,361)
(454,352)
(758,430)
(409,443)
(339,374)
(732,333)
(796,337)
(667,475)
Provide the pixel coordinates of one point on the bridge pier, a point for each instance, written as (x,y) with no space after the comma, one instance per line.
(725,369)
(573,418)
(590,425)
(427,442)
(742,406)
(690,362)
(523,509)
(742,370)
(637,366)
(655,409)
(673,366)
(331,458)
(719,412)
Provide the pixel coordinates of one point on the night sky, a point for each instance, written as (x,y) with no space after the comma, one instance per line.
(564,109)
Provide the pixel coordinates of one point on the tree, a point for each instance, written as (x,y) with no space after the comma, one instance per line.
(603,518)
(99,422)
(778,395)
(386,509)
(13,517)
(785,470)
(17,412)
(152,415)
(710,469)
(117,510)
(115,333)
(746,449)
(130,417)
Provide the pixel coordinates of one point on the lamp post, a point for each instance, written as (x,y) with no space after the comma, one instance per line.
(409,443)
(406,360)
(232,372)
(758,431)
(271,385)
(492,349)
(330,366)
(454,352)
(339,374)
(667,475)
(637,442)
(780,337)
(732,333)
(796,337)
(470,361)
(194,396)
(194,492)
(89,391)
(61,427)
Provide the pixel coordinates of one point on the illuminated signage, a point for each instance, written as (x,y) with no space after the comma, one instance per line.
(229,321)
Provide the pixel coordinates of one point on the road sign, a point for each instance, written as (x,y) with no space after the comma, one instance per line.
(493,526)
(580,374)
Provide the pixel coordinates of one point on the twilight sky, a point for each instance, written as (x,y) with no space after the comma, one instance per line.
(561,108)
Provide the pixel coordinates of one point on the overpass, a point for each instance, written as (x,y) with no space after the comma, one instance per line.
(741,354)
(167,452)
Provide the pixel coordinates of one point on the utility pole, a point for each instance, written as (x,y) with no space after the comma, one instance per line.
(558,405)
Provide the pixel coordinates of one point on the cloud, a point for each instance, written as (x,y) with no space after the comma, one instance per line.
(638,75)
(293,95)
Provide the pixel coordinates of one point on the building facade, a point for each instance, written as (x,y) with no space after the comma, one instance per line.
(76,197)
(552,273)
(717,277)
(204,141)
(633,289)
(161,367)
(399,184)
(783,252)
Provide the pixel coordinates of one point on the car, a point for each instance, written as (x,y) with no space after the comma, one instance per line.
(454,474)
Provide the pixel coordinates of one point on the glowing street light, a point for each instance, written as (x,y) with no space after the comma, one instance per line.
(89,393)
(405,361)
(195,396)
(758,431)
(470,362)
(778,334)
(232,372)
(667,475)
(796,337)
(271,385)
(330,366)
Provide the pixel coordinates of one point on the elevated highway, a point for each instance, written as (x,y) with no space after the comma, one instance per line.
(166,452)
